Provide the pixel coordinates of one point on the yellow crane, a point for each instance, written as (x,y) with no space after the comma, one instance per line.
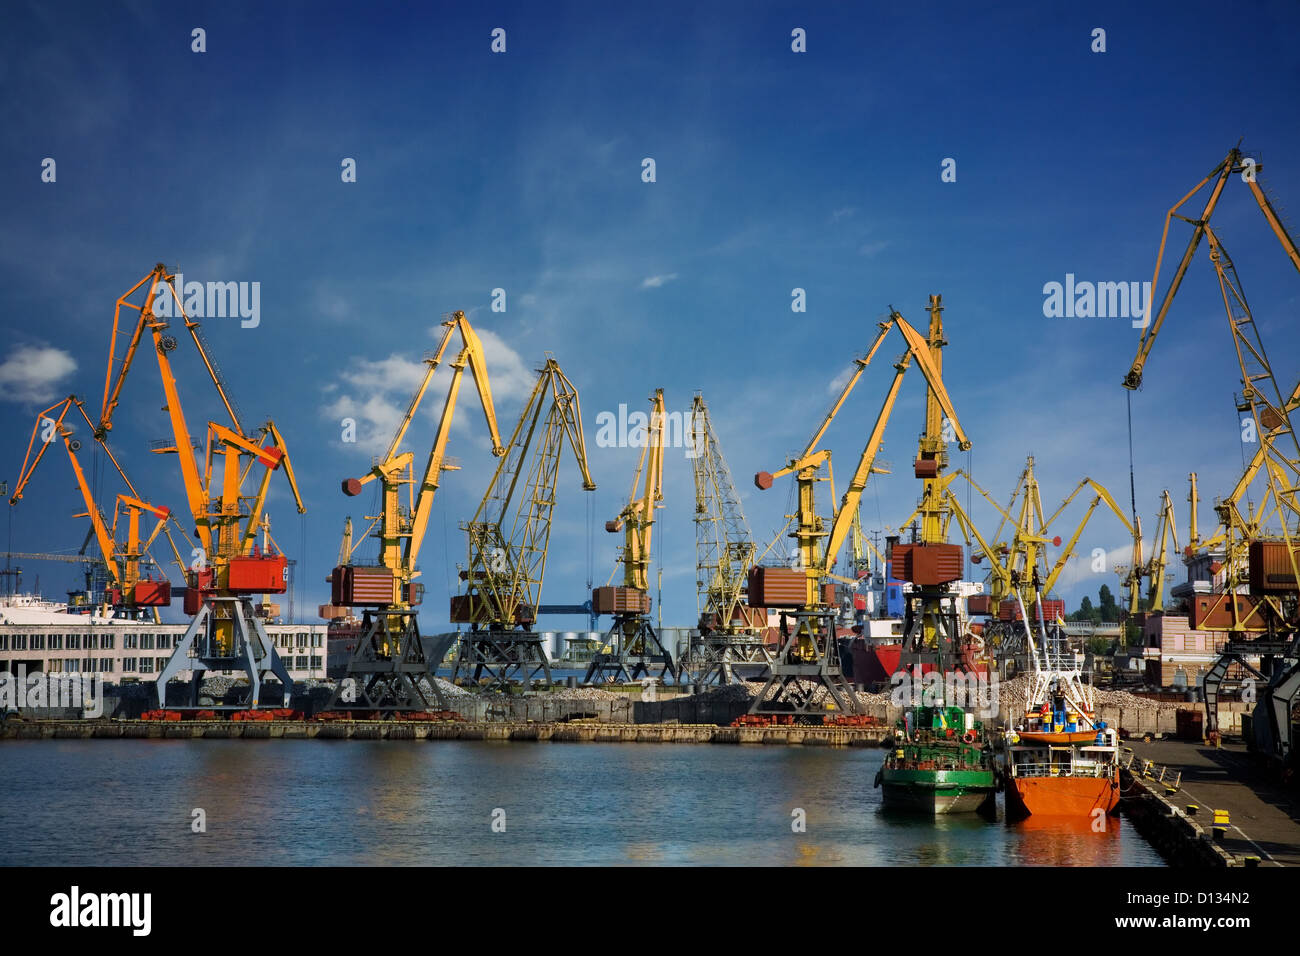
(730,632)
(632,645)
(390,661)
(808,657)
(122,560)
(227,567)
(509,540)
(1244,602)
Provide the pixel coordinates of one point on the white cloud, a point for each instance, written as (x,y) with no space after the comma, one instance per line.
(32,373)
(375,393)
(843,212)
(654,282)
(871,249)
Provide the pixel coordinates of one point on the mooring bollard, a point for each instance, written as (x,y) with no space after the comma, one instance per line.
(1191,809)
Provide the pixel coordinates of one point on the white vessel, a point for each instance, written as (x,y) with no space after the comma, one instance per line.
(32,609)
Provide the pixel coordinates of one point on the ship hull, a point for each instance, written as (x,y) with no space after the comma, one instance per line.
(937,791)
(1060,796)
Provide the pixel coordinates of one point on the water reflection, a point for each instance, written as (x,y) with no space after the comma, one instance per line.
(407,803)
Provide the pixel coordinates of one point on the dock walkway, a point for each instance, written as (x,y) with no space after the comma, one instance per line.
(1263,816)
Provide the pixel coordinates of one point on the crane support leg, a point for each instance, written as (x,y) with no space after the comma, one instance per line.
(1281,698)
(503,658)
(806,678)
(1213,682)
(249,650)
(635,651)
(387,669)
(726,658)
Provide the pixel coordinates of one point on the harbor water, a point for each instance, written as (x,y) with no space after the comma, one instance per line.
(308,802)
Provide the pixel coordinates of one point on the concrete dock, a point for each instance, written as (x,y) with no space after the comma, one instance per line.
(1263,816)
(570,732)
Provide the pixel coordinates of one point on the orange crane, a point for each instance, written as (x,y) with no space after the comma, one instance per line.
(509,539)
(127,588)
(228,566)
(634,648)
(390,660)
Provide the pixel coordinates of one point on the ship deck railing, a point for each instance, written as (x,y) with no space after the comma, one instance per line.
(1062,770)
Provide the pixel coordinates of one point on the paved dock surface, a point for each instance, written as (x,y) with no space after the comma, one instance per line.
(1264,817)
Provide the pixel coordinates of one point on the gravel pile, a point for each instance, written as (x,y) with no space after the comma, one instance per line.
(449,690)
(586,693)
(1015,693)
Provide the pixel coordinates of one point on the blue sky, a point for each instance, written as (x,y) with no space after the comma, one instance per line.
(522,171)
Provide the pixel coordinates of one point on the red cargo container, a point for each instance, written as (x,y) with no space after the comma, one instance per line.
(927,565)
(192,601)
(611,600)
(337,577)
(367,585)
(1270,568)
(460,609)
(777,587)
(1213,612)
(1009,610)
(979,604)
(256,575)
(153,593)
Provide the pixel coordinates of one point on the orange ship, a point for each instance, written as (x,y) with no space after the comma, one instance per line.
(1060,761)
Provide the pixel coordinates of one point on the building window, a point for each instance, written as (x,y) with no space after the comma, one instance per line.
(72,665)
(56,641)
(4,642)
(106,665)
(74,642)
(146,642)
(302,663)
(316,640)
(109,642)
(315,663)
(164,642)
(162,662)
(146,665)
(92,642)
(53,666)
(130,641)
(128,663)
(302,640)
(38,643)
(20,642)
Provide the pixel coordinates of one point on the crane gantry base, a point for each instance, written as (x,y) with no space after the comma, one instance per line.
(808,660)
(250,651)
(712,658)
(504,658)
(387,666)
(1280,662)
(636,652)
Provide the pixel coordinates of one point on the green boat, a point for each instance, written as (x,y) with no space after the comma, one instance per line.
(940,762)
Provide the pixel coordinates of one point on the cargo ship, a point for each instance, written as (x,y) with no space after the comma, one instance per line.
(1060,761)
(940,762)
